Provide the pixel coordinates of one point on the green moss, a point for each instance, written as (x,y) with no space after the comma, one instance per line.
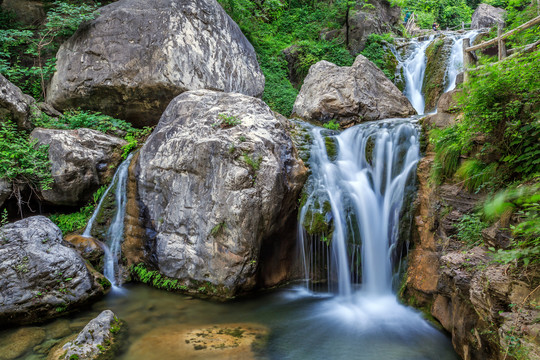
(434,79)
(106,284)
(315,223)
(331,147)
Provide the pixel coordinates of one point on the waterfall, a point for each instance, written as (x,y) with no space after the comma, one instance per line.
(455,62)
(414,67)
(115,233)
(365,187)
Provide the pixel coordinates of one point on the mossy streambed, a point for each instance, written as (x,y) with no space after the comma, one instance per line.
(288,323)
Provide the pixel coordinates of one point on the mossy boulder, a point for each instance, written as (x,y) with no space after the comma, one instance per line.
(437,54)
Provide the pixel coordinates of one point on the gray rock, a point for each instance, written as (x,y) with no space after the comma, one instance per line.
(448,111)
(137,55)
(486,16)
(27,12)
(40,277)
(5,190)
(82,160)
(357,93)
(212,194)
(96,340)
(379,19)
(15,105)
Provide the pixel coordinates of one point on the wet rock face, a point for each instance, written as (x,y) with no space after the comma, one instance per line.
(82,160)
(40,277)
(218,177)
(437,54)
(98,339)
(5,191)
(351,95)
(137,55)
(15,105)
(486,16)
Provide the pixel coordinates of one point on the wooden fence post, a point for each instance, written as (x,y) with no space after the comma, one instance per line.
(466,59)
(501,43)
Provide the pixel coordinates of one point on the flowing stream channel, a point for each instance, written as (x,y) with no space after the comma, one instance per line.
(361,184)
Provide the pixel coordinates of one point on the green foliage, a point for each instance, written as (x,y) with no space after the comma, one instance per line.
(332,125)
(502,106)
(470,229)
(74,357)
(38,46)
(218,229)
(4,218)
(378,52)
(75,119)
(524,202)
(475,174)
(227,121)
(70,223)
(272,26)
(253,161)
(448,13)
(154,278)
(23,162)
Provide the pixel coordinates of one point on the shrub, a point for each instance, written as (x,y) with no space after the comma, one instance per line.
(332,125)
(470,229)
(23,162)
(378,52)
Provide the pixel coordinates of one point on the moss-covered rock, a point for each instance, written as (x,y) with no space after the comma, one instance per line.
(437,54)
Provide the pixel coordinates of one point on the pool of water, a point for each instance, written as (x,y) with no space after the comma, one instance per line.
(301,325)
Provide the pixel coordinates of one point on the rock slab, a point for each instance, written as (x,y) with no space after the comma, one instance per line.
(82,160)
(352,94)
(137,55)
(40,277)
(211,193)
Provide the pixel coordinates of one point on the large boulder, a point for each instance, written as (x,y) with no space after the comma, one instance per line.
(217,180)
(379,18)
(98,340)
(486,16)
(27,12)
(40,277)
(137,55)
(15,105)
(352,94)
(437,54)
(82,160)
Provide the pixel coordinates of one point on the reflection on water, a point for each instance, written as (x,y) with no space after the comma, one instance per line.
(302,325)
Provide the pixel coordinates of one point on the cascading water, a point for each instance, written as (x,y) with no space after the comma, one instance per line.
(115,233)
(365,187)
(414,67)
(455,62)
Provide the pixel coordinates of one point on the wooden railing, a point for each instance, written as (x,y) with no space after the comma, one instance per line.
(470,58)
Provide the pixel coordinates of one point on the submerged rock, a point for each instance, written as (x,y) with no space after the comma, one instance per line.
(223,341)
(20,342)
(82,160)
(352,94)
(486,16)
(40,277)
(98,340)
(14,105)
(217,179)
(137,55)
